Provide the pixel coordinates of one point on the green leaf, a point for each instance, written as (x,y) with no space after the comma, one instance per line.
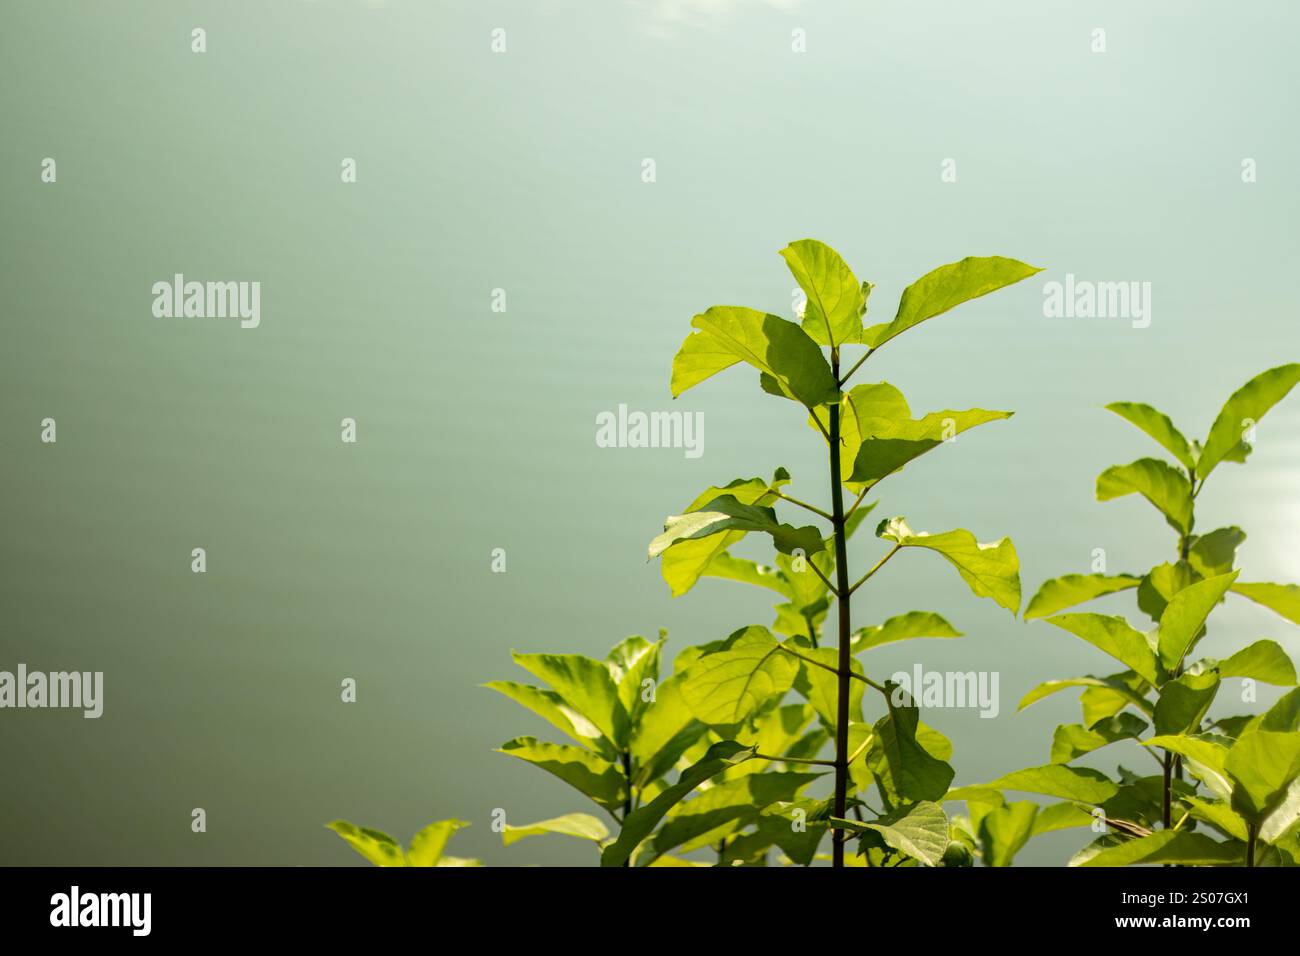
(864,409)
(1240,413)
(1213,554)
(1205,756)
(749,572)
(1219,815)
(1059,593)
(836,300)
(728,804)
(989,570)
(1283,715)
(1168,846)
(1081,784)
(905,768)
(791,362)
(1005,830)
(903,627)
(428,845)
(1047,688)
(685,562)
(375,845)
(919,830)
(665,729)
(553,708)
(821,687)
(1158,482)
(1160,584)
(586,685)
(1074,740)
(728,514)
(1185,615)
(1116,637)
(947,287)
(1262,764)
(1158,426)
(593,776)
(1184,702)
(1283,599)
(1263,660)
(580,825)
(640,823)
(730,685)
(884,450)
(631,663)
(794,827)
(1060,816)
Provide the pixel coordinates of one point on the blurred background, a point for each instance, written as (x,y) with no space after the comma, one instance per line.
(522,171)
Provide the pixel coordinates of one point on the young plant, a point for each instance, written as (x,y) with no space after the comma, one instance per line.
(426,847)
(630,731)
(870,434)
(1248,766)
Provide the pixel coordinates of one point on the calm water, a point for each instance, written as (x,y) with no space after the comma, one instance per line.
(522,171)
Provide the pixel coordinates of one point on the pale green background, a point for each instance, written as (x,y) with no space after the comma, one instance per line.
(522,171)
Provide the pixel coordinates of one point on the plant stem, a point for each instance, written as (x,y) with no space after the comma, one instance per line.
(1251,834)
(627,801)
(818,572)
(1169,771)
(856,365)
(845,655)
(879,564)
(803,504)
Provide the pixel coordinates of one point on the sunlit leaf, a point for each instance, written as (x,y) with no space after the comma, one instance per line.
(1168,846)
(1213,553)
(1074,740)
(1082,784)
(782,352)
(728,514)
(728,686)
(1005,831)
(1073,589)
(1283,599)
(428,845)
(1158,482)
(989,570)
(1185,615)
(835,298)
(1158,426)
(375,845)
(1242,411)
(1184,702)
(580,825)
(586,685)
(947,287)
(683,564)
(1116,637)
(1262,764)
(919,830)
(593,776)
(640,823)
(905,768)
(552,707)
(903,627)
(1262,660)
(1204,755)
